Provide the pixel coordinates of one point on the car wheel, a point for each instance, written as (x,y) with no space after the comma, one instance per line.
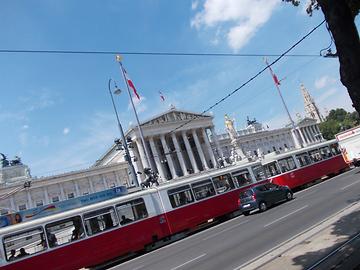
(262,206)
(246,213)
(289,196)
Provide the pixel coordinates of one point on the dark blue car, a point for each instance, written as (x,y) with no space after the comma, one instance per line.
(263,196)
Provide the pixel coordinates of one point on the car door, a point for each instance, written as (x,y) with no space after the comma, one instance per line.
(275,193)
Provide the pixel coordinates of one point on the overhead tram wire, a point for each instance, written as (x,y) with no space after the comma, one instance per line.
(252,78)
(151,53)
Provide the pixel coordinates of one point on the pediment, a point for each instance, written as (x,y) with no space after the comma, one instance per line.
(306,121)
(173,116)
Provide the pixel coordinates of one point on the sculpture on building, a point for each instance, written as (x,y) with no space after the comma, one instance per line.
(151,178)
(3,161)
(229,124)
(236,154)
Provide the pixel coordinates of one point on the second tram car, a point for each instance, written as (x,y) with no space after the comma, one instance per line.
(301,166)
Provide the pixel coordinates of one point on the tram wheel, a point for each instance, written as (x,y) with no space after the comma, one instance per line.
(262,206)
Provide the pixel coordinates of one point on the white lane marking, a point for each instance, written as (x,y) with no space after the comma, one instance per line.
(345,187)
(276,220)
(227,229)
(189,261)
(137,268)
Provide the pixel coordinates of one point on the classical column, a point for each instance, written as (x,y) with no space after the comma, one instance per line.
(77,189)
(179,153)
(12,204)
(91,186)
(104,182)
(46,195)
(303,130)
(189,151)
(310,133)
(29,199)
(156,158)
(62,192)
(219,150)
(168,156)
(208,146)
(142,154)
(199,149)
(302,136)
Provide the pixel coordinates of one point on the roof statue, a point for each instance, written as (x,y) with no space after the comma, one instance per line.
(229,124)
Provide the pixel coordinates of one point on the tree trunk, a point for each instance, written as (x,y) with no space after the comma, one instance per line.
(342,26)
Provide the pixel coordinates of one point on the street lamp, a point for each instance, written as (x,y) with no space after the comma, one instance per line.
(124,142)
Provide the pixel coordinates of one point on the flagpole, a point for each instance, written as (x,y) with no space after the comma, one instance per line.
(283,101)
(136,115)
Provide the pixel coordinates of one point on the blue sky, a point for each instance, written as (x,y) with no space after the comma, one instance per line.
(55,111)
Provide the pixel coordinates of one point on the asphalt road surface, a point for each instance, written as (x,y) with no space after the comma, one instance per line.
(231,244)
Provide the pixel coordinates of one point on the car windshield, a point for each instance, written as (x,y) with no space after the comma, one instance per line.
(247,193)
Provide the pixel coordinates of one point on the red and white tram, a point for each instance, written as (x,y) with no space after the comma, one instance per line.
(94,234)
(301,166)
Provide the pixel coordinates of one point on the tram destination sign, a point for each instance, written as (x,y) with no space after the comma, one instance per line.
(58,207)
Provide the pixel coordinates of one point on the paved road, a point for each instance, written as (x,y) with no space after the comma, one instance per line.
(233,243)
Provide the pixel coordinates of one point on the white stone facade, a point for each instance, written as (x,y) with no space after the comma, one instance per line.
(14,197)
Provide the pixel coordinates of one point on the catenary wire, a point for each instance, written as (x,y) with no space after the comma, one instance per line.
(251,78)
(153,53)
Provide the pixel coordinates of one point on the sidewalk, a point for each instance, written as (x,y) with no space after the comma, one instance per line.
(304,250)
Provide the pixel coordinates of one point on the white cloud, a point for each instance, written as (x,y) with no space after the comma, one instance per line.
(194,5)
(324,81)
(66,131)
(140,104)
(245,17)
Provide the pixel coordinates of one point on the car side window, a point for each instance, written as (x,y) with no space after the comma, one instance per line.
(261,188)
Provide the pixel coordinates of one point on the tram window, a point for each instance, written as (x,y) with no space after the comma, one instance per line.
(325,152)
(315,155)
(131,211)
(64,231)
(203,189)
(259,172)
(180,196)
(287,164)
(335,149)
(304,159)
(25,243)
(272,169)
(242,177)
(100,220)
(223,183)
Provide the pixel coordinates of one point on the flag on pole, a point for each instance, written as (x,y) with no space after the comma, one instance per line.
(162,96)
(275,78)
(131,84)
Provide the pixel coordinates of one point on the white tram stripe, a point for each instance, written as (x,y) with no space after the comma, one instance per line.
(227,229)
(345,187)
(276,220)
(189,261)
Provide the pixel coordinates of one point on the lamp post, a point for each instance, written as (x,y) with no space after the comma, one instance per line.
(127,153)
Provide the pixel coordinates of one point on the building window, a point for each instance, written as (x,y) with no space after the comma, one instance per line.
(71,195)
(22,207)
(39,203)
(55,199)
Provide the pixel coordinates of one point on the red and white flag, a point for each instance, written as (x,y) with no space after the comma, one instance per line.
(275,78)
(161,96)
(131,84)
